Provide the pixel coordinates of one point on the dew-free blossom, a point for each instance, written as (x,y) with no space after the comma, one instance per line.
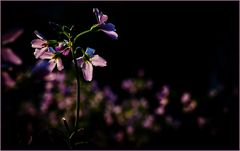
(54,59)
(40,45)
(61,48)
(107,28)
(87,61)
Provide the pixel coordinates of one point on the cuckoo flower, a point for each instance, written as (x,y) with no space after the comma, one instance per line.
(54,59)
(61,48)
(40,44)
(87,61)
(107,28)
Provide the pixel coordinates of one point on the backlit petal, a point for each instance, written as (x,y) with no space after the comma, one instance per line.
(97,14)
(87,70)
(59,64)
(66,51)
(47,55)
(103,19)
(112,34)
(52,64)
(39,35)
(38,43)
(98,61)
(38,52)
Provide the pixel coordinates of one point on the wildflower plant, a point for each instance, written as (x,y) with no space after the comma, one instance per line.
(55,50)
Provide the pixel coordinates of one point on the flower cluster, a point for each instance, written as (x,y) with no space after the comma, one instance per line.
(54,50)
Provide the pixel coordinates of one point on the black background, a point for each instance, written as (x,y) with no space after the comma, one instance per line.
(191,46)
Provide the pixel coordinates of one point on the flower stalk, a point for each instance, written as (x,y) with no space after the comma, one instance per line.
(78,89)
(54,50)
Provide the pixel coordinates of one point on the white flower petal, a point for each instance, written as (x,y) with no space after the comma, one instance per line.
(52,64)
(112,34)
(87,70)
(38,52)
(96,60)
(38,43)
(59,64)
(47,55)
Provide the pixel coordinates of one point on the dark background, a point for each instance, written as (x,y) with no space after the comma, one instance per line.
(184,44)
(191,46)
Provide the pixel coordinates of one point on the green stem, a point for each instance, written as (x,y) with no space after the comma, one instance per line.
(78,91)
(93,28)
(80,34)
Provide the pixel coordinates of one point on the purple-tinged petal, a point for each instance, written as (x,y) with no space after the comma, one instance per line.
(11,36)
(39,35)
(60,47)
(47,55)
(38,52)
(87,70)
(9,55)
(103,19)
(96,60)
(80,61)
(112,34)
(59,64)
(38,43)
(97,14)
(108,27)
(52,64)
(8,81)
(90,52)
(66,51)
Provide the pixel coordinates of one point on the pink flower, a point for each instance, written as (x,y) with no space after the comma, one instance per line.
(61,48)
(87,61)
(8,81)
(40,45)
(7,53)
(54,59)
(107,28)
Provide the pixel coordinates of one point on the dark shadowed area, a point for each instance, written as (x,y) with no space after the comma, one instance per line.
(191,47)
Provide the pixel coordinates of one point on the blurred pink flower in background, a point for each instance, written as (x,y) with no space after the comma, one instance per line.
(148,122)
(9,56)
(185,98)
(201,121)
(8,81)
(119,136)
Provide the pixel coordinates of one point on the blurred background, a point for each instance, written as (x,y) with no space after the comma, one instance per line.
(171,80)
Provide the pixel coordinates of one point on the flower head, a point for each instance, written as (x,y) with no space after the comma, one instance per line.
(87,61)
(61,47)
(54,59)
(107,28)
(40,45)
